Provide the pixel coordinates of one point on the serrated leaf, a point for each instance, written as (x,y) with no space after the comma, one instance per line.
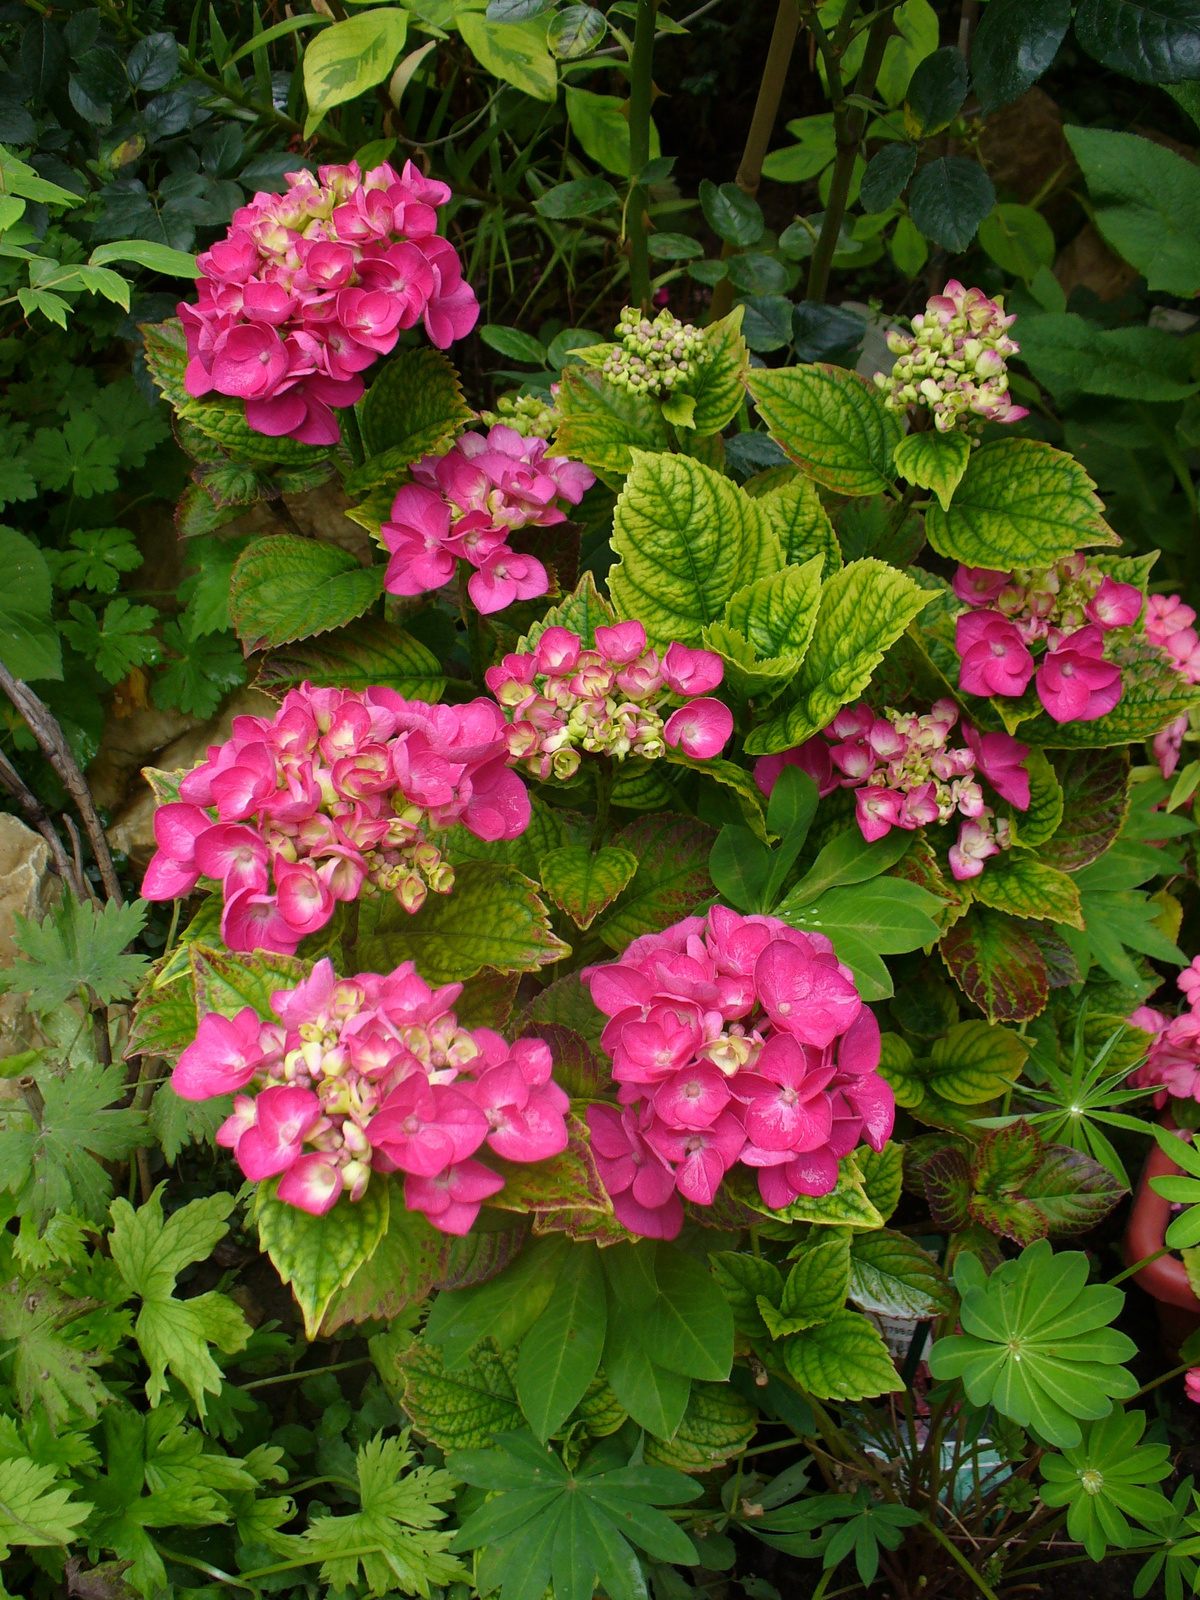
(717,1425)
(997,965)
(176,1123)
(415,401)
(815,1289)
(842,1359)
(1073,1191)
(686,540)
(1022,886)
(404,1266)
(777,614)
(1020,501)
(583,883)
(318,1256)
(493,918)
(718,388)
(882,1173)
(1146,201)
(34,1512)
(582,612)
(601,425)
(864,609)
(284,589)
(175,1334)
(891,1275)
(51,1369)
(671,879)
(830,421)
(1095,790)
(1153,695)
(228,980)
(223,420)
(463,1409)
(74,947)
(794,509)
(845,1206)
(367,653)
(974,1062)
(746,1281)
(934,460)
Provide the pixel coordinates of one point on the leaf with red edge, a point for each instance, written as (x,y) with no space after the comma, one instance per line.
(947,1180)
(1073,1191)
(997,964)
(671,880)
(566,1182)
(226,980)
(1095,785)
(1005,1161)
(577,1068)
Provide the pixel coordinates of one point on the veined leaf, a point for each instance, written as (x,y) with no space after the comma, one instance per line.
(830,421)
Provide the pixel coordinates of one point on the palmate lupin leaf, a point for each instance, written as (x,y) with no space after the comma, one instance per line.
(1036,1342)
(551,1526)
(1105,1478)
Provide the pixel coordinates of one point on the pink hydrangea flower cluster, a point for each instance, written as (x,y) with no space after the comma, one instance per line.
(465,504)
(335,796)
(310,287)
(1171,625)
(1066,611)
(1172,1064)
(374,1074)
(954,363)
(733,1039)
(564,698)
(907,775)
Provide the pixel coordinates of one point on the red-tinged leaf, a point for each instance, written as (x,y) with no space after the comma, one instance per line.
(1072,1190)
(1005,1161)
(1095,786)
(567,1003)
(487,1000)
(947,1180)
(996,962)
(164,1020)
(1062,970)
(226,980)
(671,880)
(493,1242)
(566,1182)
(577,1068)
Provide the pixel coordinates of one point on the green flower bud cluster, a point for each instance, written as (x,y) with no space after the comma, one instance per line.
(526,414)
(653,357)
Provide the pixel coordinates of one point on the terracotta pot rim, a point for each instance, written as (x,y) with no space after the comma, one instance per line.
(1166,1279)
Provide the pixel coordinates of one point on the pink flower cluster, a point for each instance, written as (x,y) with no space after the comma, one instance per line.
(1171,625)
(1066,610)
(1172,1064)
(609,699)
(466,503)
(907,775)
(374,1074)
(955,361)
(310,287)
(333,797)
(732,1039)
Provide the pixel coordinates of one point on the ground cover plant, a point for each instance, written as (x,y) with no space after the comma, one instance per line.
(617,1060)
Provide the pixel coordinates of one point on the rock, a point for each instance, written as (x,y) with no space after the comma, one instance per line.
(1088,263)
(127,746)
(27,886)
(1023,146)
(320,514)
(132,830)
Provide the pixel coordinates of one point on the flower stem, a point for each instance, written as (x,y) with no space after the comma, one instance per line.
(1138,1265)
(762,124)
(641,93)
(604,787)
(848,123)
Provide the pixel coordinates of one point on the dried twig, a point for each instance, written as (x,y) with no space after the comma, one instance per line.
(37,814)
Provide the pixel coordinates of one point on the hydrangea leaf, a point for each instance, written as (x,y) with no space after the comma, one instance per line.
(602,425)
(717,1424)
(815,1288)
(318,1256)
(892,1276)
(997,964)
(686,540)
(794,509)
(582,882)
(974,1062)
(1146,199)
(830,421)
(582,612)
(410,1258)
(842,1359)
(284,589)
(1036,1342)
(671,878)
(1023,886)
(933,460)
(463,1409)
(777,614)
(1095,790)
(1020,501)
(223,420)
(882,1175)
(366,653)
(718,388)
(227,980)
(414,403)
(1153,695)
(175,1334)
(745,1281)
(493,918)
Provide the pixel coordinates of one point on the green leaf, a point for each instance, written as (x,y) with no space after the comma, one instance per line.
(845,1206)
(118,642)
(889,915)
(1014,44)
(842,1359)
(1034,1342)
(1071,1190)
(601,425)
(655,1398)
(175,1334)
(345,60)
(717,1425)
(1043,816)
(1020,501)
(463,1409)
(718,386)
(671,878)
(731,213)
(284,589)
(493,918)
(415,402)
(777,614)
(404,1266)
(1104,1477)
(74,947)
(1095,786)
(746,1281)
(52,1370)
(937,89)
(582,883)
(96,559)
(794,509)
(582,197)
(176,1123)
(830,421)
(79,456)
(200,674)
(934,460)
(686,540)
(601,124)
(318,1256)
(887,174)
(33,1512)
(864,609)
(1146,202)
(893,1277)
(815,1290)
(948,199)
(223,419)
(561,1352)
(882,1172)
(1152,43)
(1071,356)
(689,1327)
(1019,240)
(516,53)
(366,653)
(29,644)
(144,253)
(974,1062)
(1023,886)
(998,966)
(582,612)
(502,1309)
(226,980)
(390,1533)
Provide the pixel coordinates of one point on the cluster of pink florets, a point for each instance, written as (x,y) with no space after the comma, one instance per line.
(335,796)
(733,1039)
(609,699)
(1065,611)
(1170,624)
(374,1074)
(310,287)
(907,775)
(1172,1064)
(954,363)
(464,505)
